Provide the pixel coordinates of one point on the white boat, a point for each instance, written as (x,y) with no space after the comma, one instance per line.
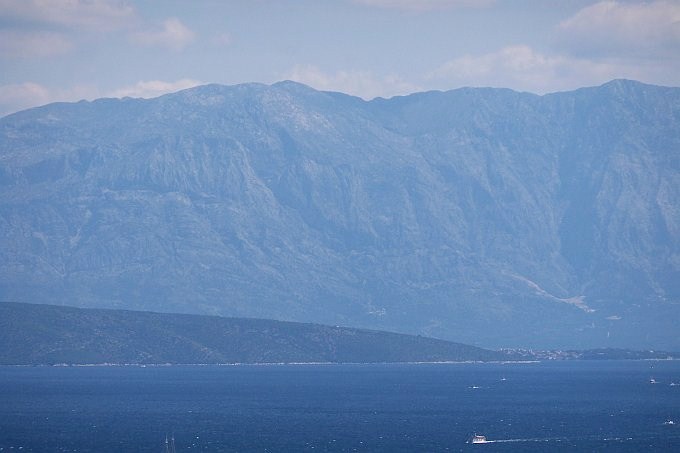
(653,381)
(477,439)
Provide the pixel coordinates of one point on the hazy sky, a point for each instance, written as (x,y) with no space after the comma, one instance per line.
(54,50)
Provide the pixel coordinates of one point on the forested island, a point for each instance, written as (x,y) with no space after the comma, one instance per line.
(33,334)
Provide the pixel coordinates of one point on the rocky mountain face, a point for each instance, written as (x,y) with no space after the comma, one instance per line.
(484,216)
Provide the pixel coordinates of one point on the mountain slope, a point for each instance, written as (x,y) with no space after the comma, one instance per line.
(481,215)
(47,334)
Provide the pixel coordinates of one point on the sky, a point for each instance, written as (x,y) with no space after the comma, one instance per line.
(68,50)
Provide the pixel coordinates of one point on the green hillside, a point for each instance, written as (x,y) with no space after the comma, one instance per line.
(47,334)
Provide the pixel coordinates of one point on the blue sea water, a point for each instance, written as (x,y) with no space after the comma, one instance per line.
(549,406)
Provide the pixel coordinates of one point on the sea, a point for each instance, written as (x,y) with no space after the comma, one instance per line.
(543,406)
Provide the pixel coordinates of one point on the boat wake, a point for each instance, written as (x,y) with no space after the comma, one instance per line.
(553,439)
(484,440)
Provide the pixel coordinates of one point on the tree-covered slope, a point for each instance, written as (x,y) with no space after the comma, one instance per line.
(47,334)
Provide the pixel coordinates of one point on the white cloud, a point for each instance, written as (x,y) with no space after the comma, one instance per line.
(19,44)
(359,83)
(174,35)
(23,95)
(20,96)
(624,30)
(522,68)
(153,88)
(425,5)
(88,13)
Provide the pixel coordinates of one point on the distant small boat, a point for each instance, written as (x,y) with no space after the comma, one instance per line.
(669,422)
(477,439)
(653,381)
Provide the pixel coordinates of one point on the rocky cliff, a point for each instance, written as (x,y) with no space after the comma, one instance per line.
(484,216)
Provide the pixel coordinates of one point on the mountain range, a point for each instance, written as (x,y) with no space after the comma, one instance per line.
(484,216)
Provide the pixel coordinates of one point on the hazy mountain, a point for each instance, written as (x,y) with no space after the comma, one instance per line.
(484,216)
(46,334)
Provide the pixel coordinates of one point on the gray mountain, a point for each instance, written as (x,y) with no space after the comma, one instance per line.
(484,216)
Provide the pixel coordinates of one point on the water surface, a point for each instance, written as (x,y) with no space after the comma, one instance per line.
(586,406)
